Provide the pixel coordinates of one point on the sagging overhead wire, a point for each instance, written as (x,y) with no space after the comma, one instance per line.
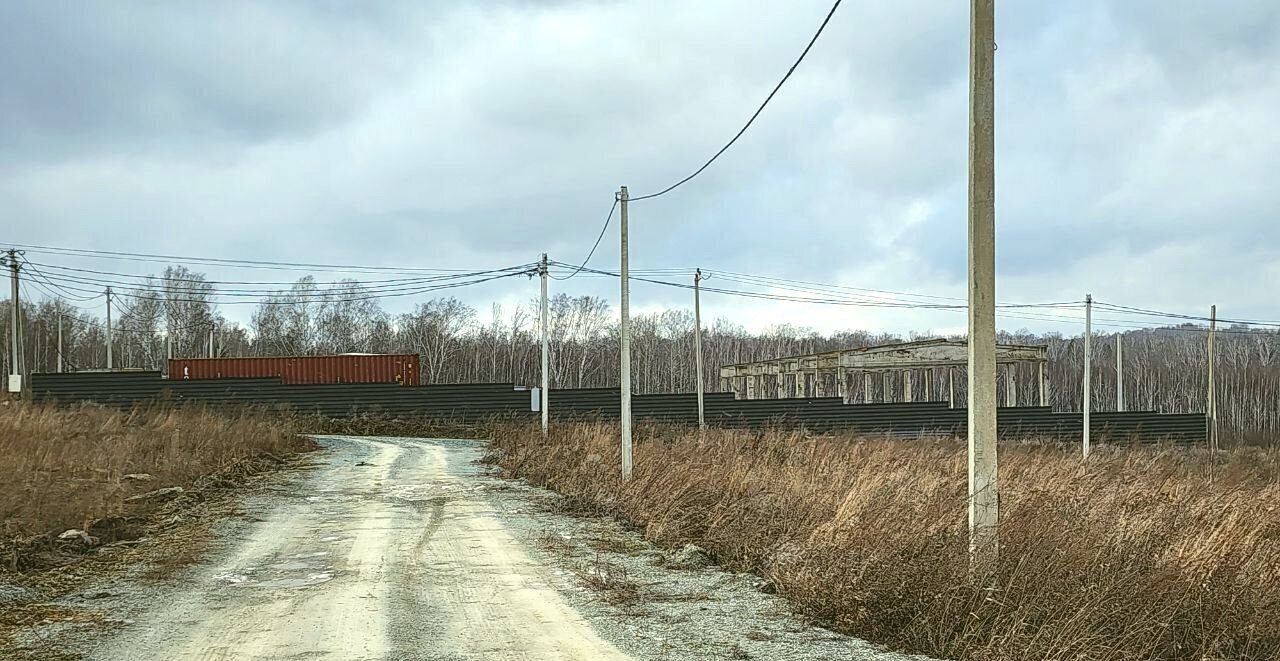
(1062,312)
(37,276)
(754,115)
(198,287)
(70,280)
(236,284)
(320,298)
(596,244)
(1173,315)
(830,300)
(214,261)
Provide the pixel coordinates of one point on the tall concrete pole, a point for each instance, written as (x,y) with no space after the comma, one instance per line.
(625,334)
(1213,399)
(1044,386)
(697,346)
(211,340)
(1120,372)
(1088,369)
(60,359)
(546,350)
(984,494)
(110,363)
(14,371)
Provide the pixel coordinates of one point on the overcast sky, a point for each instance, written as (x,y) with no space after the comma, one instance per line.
(1138,148)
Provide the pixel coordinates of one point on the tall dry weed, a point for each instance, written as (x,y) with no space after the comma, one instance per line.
(62,467)
(1154,553)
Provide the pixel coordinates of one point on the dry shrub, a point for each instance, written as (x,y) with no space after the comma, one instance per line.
(1151,553)
(64,467)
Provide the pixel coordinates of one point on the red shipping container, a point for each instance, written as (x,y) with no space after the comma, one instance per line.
(346,368)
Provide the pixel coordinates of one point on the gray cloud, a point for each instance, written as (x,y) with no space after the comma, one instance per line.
(1132,136)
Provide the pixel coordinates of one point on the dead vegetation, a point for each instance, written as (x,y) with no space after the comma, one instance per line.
(105,473)
(610,580)
(1154,553)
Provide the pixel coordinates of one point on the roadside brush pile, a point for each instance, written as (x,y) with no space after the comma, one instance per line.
(78,478)
(1138,554)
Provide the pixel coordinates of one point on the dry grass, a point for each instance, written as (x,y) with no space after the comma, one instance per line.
(610,580)
(65,467)
(1141,554)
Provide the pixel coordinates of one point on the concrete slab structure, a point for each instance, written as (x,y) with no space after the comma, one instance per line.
(835,373)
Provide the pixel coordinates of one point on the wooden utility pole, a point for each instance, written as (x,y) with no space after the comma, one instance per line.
(1213,399)
(697,347)
(624,331)
(545,398)
(984,493)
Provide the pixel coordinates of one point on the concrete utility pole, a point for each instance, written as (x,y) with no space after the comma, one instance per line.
(1213,399)
(951,387)
(1120,372)
(211,340)
(546,349)
(624,331)
(984,494)
(110,364)
(1044,387)
(60,360)
(1088,368)
(15,375)
(697,345)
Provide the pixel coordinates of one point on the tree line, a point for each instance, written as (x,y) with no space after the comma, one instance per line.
(1165,368)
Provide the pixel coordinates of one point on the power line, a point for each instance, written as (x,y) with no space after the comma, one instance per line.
(37,273)
(754,115)
(824,301)
(1174,315)
(241,263)
(278,297)
(279,283)
(596,244)
(150,284)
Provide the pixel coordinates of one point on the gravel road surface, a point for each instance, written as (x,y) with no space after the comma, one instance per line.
(407,549)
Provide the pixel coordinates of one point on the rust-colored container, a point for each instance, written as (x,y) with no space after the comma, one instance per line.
(346,368)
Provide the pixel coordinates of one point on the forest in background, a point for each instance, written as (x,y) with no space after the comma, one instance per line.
(1165,368)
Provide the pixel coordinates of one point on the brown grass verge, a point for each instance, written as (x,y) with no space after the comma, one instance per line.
(1153,553)
(67,468)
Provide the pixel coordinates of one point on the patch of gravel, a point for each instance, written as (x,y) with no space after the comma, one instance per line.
(658,604)
(12,594)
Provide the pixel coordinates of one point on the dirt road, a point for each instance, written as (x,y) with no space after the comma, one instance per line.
(386,552)
(406,549)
